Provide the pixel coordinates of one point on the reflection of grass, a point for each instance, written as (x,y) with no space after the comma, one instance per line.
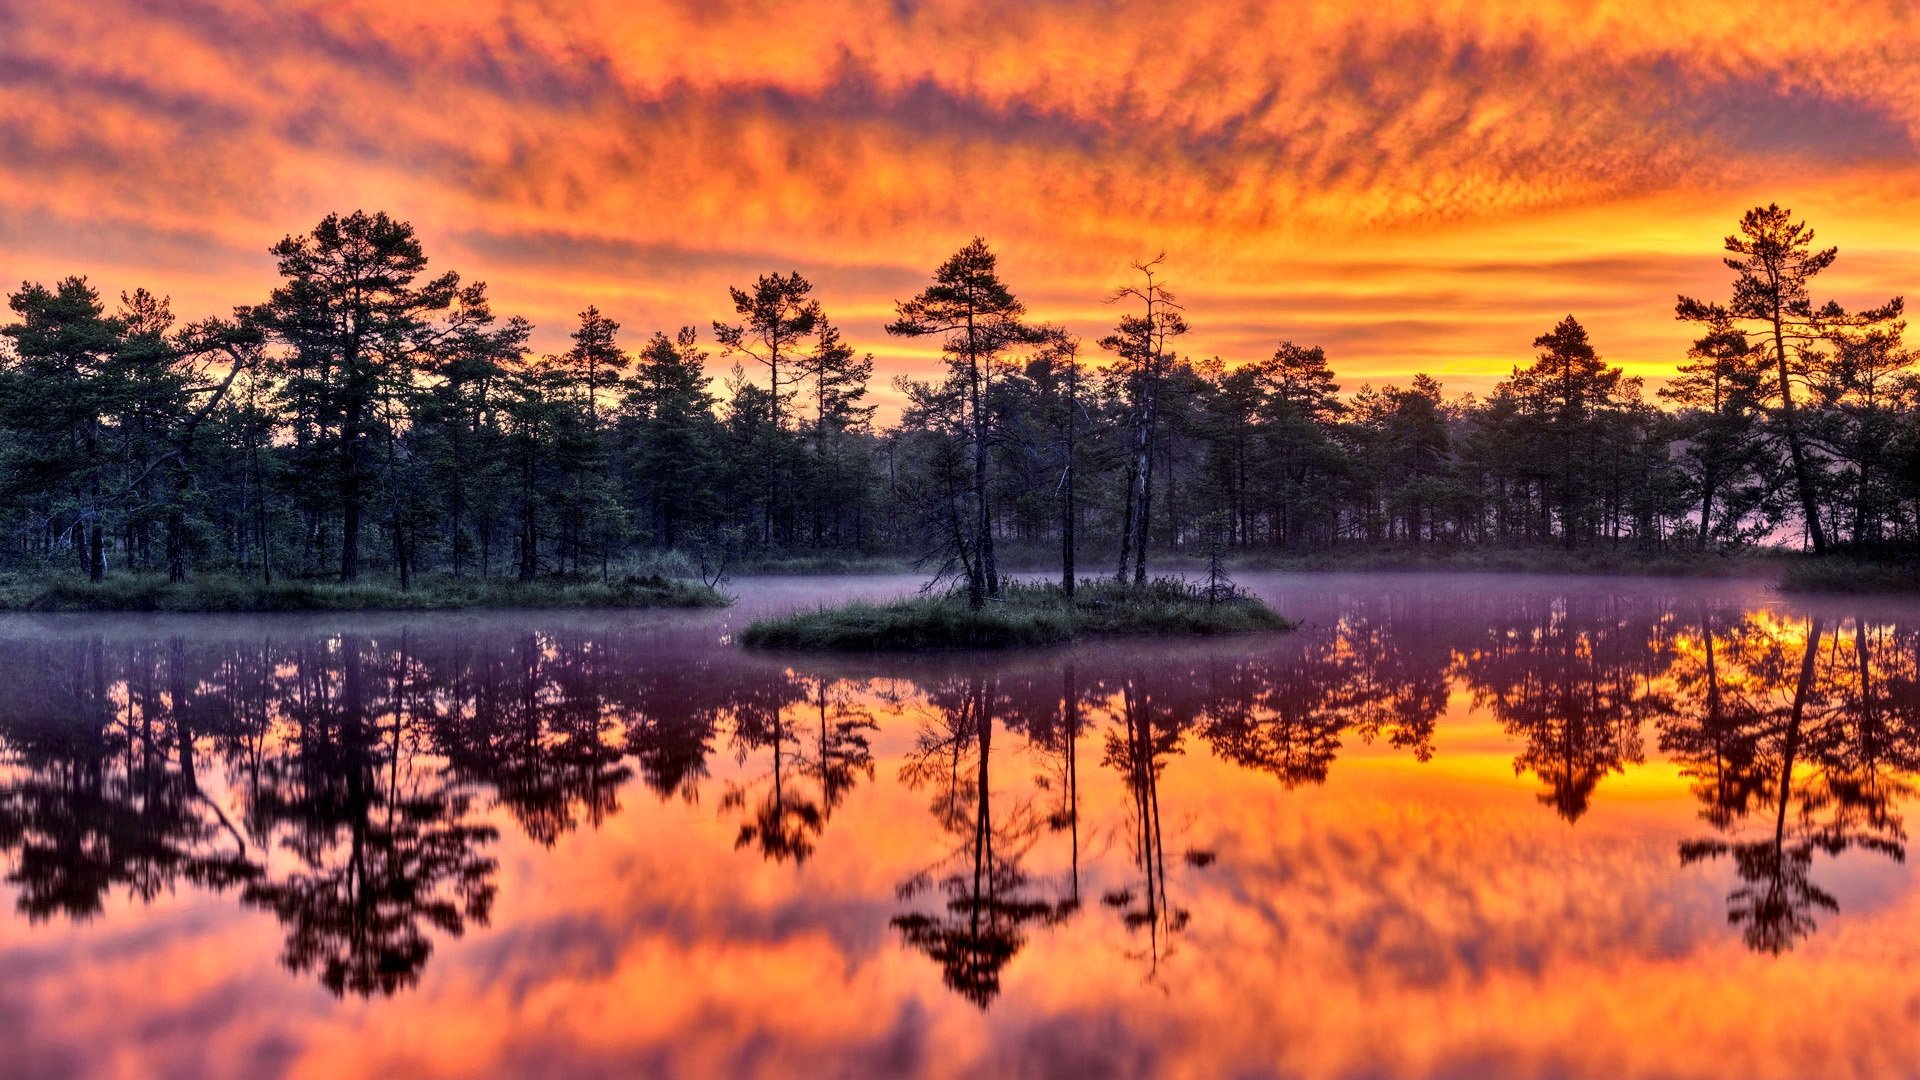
(221,593)
(1025,615)
(1850,576)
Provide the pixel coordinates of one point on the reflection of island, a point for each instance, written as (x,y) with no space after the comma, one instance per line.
(100,796)
(321,748)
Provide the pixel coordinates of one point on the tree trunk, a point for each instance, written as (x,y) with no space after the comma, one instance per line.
(1707,483)
(1066,503)
(1790,425)
(773,440)
(983,529)
(96,550)
(1143,484)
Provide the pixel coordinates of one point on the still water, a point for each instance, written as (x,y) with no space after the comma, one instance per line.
(1454,826)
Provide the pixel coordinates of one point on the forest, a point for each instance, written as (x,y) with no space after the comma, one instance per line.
(372,417)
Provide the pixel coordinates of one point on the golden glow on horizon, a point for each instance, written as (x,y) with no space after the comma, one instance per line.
(1414,186)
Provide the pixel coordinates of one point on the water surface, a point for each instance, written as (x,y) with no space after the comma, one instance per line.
(1455,826)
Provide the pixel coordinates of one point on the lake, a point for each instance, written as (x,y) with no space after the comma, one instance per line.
(1454,826)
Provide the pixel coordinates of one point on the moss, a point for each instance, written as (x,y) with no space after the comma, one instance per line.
(1024,615)
(222,593)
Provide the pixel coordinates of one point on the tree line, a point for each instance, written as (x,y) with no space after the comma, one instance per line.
(371,416)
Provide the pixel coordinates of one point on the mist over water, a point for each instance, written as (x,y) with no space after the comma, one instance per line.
(1454,825)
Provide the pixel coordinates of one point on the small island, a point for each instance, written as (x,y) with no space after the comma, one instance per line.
(1022,615)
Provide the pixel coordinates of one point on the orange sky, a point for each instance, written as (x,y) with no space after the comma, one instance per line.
(1414,186)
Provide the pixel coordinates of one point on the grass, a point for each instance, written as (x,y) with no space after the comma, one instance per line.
(1834,575)
(823,563)
(1024,615)
(138,592)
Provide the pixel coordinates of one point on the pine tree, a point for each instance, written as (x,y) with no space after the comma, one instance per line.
(1775,262)
(352,319)
(977,319)
(1142,347)
(1719,391)
(674,435)
(777,315)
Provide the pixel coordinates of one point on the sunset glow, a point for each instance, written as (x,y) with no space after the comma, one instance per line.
(1416,187)
(959,538)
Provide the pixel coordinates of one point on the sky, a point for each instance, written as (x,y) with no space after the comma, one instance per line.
(1415,187)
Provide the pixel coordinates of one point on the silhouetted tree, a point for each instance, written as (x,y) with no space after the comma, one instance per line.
(1773,264)
(355,327)
(776,316)
(1142,347)
(977,319)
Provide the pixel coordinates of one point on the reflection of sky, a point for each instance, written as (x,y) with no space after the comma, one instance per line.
(1415,186)
(1401,919)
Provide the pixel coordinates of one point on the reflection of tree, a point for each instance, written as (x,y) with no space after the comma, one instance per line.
(1712,730)
(1381,675)
(988,899)
(1281,719)
(1817,766)
(1397,659)
(1064,743)
(841,751)
(382,849)
(670,727)
(532,725)
(1576,686)
(1138,750)
(784,820)
(95,796)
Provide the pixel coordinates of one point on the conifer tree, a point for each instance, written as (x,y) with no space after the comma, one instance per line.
(977,319)
(1773,262)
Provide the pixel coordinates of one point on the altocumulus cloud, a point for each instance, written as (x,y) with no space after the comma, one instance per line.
(1269,148)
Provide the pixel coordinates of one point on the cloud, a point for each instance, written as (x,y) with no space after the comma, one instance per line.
(630,154)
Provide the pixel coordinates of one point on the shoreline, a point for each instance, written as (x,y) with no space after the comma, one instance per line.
(226,595)
(1787,572)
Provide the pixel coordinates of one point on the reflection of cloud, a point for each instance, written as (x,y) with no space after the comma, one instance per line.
(1428,927)
(673,141)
